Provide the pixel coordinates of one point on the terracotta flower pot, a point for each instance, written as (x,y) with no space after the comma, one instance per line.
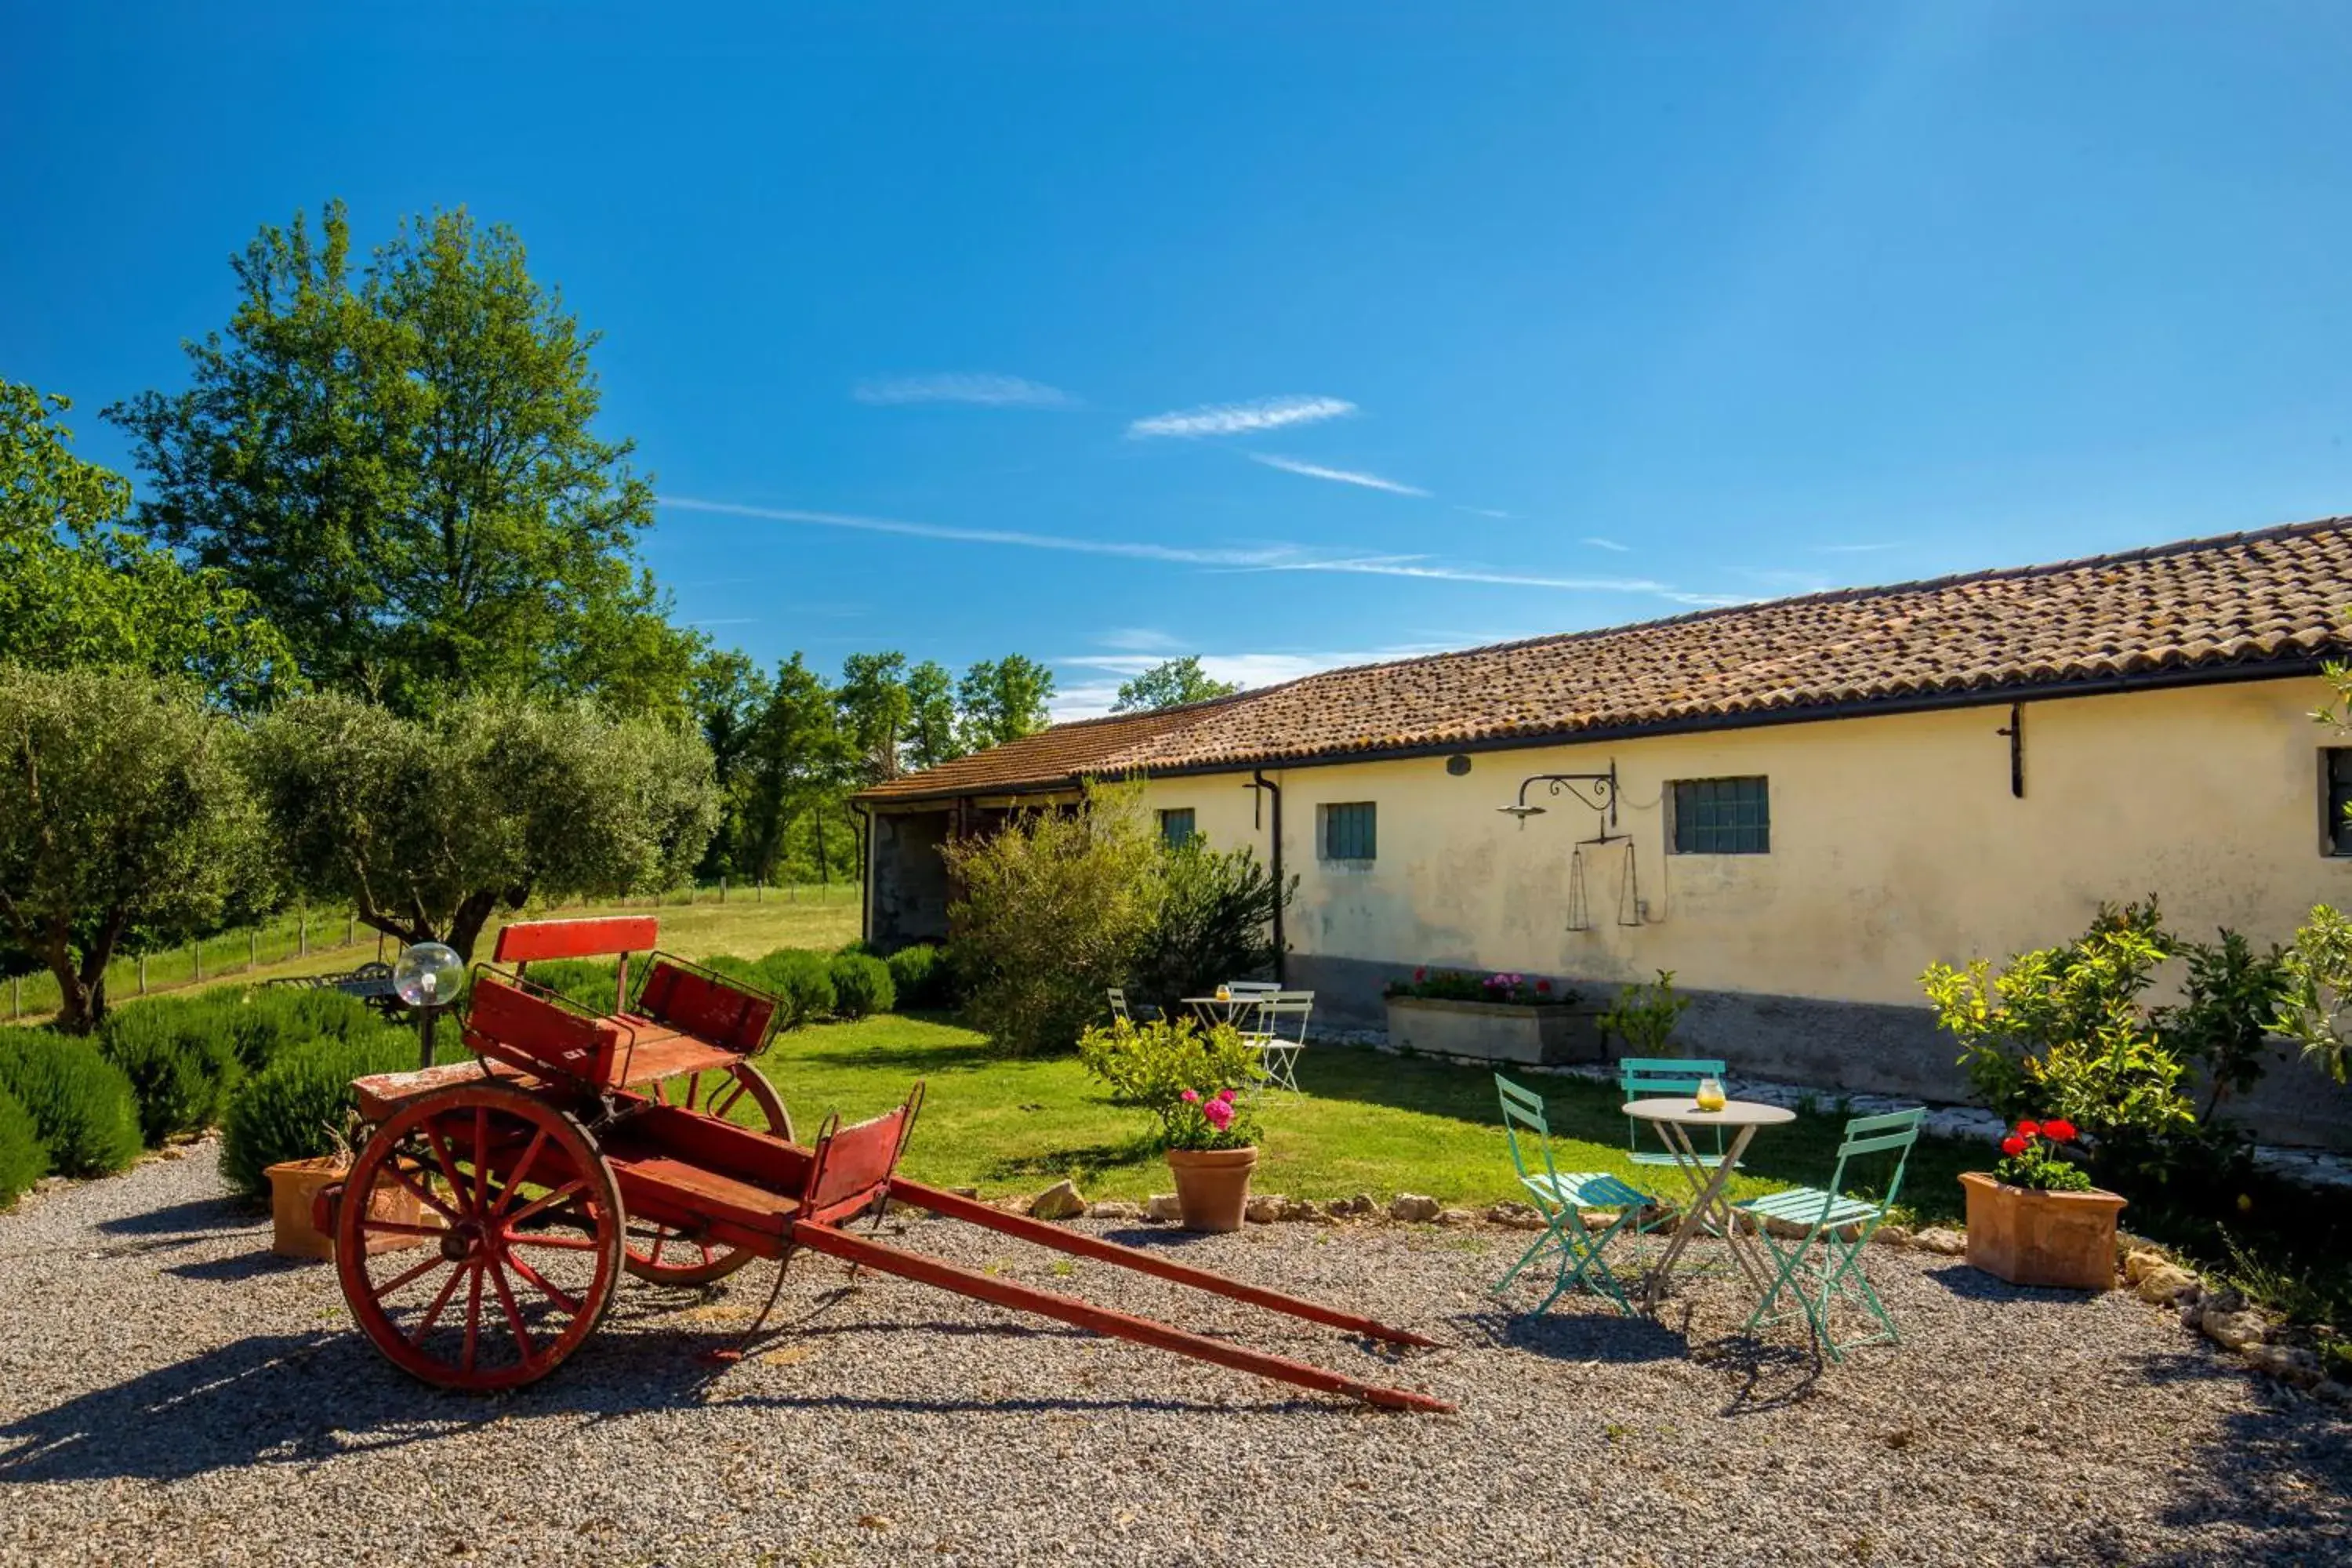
(1212,1185)
(293,1186)
(2029,1238)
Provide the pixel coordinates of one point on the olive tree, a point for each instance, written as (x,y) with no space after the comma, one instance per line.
(123,804)
(430,826)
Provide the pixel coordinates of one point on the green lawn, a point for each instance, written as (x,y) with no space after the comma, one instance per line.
(1368,1123)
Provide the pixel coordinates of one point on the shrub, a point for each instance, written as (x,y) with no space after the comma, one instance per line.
(1644,1016)
(1153,1065)
(861,985)
(1215,922)
(1058,907)
(591,982)
(802,983)
(181,1060)
(920,976)
(293,1110)
(23,1160)
(82,1105)
(271,1020)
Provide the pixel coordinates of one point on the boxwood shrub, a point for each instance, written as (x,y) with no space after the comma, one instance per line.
(861,985)
(293,1108)
(920,975)
(182,1059)
(23,1160)
(801,981)
(80,1103)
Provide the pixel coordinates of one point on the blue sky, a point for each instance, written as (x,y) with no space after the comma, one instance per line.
(1286,335)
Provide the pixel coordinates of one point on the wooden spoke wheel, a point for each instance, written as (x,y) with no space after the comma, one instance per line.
(664,1254)
(512,1250)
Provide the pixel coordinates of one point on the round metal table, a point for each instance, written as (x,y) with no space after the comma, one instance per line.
(1710,1211)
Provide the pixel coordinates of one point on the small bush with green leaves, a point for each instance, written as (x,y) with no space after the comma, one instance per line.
(81,1104)
(593,983)
(1153,1065)
(919,974)
(802,983)
(294,1108)
(182,1059)
(861,985)
(23,1160)
(271,1020)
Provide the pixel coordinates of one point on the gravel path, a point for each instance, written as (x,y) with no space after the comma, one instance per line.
(169,1393)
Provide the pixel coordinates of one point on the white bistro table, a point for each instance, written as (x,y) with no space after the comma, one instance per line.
(1215,1010)
(1710,1211)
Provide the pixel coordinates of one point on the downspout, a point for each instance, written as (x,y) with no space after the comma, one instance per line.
(872,858)
(1281,949)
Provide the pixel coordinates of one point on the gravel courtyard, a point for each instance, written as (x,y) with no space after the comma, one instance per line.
(171,1393)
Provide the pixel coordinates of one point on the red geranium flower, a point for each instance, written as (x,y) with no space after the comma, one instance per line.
(2029,1129)
(1422,973)
(1544,986)
(2012,1145)
(2059,1131)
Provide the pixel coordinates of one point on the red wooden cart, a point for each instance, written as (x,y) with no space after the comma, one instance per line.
(579,1145)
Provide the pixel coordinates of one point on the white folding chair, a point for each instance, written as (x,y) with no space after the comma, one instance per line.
(1281,1035)
(1118,1008)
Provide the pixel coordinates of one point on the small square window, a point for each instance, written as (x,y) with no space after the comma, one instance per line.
(2335,799)
(1176,827)
(1350,831)
(1722,816)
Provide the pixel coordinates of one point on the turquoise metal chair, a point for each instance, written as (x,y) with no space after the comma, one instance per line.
(1658,1078)
(1820,1268)
(1561,1198)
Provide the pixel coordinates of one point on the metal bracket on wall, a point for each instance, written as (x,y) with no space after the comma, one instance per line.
(1597,791)
(2015,731)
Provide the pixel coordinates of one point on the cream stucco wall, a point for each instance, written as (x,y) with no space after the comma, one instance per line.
(1894,841)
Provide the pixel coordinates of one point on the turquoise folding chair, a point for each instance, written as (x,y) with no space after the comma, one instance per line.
(1820,1268)
(1561,1198)
(1658,1078)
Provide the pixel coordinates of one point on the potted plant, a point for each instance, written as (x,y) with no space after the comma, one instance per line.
(1644,1017)
(1500,1018)
(294,1188)
(2036,1219)
(1212,1151)
(1186,1075)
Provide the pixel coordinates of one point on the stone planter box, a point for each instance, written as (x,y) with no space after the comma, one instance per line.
(1496,1031)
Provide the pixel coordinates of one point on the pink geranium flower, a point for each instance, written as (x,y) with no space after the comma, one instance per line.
(1192,1097)
(1219,1114)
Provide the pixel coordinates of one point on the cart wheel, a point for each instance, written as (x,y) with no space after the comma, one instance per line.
(663,1255)
(513,1250)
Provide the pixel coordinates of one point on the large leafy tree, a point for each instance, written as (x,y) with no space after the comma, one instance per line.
(397,460)
(1169,685)
(876,711)
(121,805)
(931,737)
(78,588)
(798,767)
(1002,700)
(429,825)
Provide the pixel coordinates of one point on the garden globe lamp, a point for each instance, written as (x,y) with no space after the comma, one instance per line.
(428,976)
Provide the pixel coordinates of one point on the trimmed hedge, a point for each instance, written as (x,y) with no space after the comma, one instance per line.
(271,1020)
(181,1060)
(801,981)
(23,1158)
(591,982)
(921,977)
(294,1108)
(81,1104)
(861,985)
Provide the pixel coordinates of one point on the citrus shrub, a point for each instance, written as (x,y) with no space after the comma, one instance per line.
(23,1160)
(1153,1065)
(861,985)
(81,1104)
(294,1108)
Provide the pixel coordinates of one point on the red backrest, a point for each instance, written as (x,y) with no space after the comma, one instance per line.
(505,1021)
(528,941)
(852,1165)
(706,1006)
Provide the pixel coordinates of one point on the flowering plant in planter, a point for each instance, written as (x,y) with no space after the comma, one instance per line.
(1463,985)
(2031,1158)
(1213,1121)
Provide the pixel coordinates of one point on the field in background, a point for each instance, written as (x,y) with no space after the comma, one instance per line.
(749,923)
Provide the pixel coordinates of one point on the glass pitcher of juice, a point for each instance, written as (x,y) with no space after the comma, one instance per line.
(1224,993)
(1710,1096)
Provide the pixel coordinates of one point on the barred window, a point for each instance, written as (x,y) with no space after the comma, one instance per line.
(1350,831)
(1176,827)
(2335,799)
(1722,816)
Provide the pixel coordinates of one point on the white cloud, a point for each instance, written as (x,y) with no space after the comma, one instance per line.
(1238,418)
(1485,512)
(1338,476)
(1608,544)
(987,391)
(1229,558)
(1141,639)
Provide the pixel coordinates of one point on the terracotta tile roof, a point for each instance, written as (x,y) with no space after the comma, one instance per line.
(2208,606)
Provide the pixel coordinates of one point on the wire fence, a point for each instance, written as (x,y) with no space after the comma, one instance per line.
(299,933)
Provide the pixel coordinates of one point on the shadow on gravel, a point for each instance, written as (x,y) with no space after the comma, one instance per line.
(1769,1376)
(2281,1470)
(1604,1336)
(196,1219)
(1975,1285)
(241,1267)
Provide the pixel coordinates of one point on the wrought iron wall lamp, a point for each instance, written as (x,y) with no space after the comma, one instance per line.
(1597,791)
